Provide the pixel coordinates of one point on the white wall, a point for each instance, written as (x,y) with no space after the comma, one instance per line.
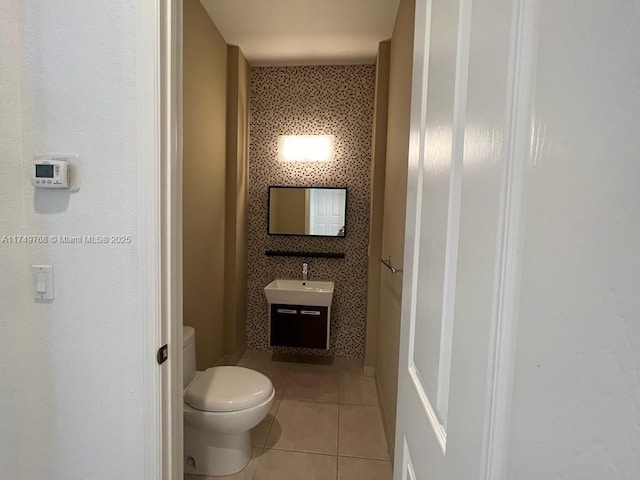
(576,404)
(70,370)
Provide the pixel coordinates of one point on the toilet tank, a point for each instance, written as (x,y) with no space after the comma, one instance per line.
(188,355)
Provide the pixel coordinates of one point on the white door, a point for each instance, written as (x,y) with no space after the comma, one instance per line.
(469,115)
(327,207)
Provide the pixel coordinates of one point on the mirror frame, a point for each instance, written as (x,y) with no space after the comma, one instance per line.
(346,204)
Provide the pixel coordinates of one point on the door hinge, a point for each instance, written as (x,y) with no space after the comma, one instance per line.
(163,354)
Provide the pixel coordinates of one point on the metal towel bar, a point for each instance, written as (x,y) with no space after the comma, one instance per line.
(387,263)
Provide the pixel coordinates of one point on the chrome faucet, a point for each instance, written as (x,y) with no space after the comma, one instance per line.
(305,271)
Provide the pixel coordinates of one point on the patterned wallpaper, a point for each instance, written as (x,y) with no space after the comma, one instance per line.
(312,100)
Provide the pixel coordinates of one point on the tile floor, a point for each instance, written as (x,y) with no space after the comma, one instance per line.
(325,424)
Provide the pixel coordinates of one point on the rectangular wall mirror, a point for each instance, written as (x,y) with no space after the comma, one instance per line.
(314,211)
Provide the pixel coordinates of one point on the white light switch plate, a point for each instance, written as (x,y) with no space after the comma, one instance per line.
(42,281)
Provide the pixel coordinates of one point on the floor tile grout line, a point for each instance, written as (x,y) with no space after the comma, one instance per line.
(375,459)
(306,452)
(359,404)
(312,400)
(266,438)
(287,377)
(258,463)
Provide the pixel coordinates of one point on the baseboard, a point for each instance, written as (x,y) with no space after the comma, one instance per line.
(234,358)
(389,433)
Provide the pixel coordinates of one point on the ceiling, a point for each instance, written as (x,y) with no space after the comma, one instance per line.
(304,32)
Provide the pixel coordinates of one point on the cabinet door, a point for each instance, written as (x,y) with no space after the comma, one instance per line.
(299,326)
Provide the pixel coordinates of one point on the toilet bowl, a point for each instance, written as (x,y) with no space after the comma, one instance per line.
(221,406)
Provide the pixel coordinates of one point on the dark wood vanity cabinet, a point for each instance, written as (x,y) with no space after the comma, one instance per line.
(299,326)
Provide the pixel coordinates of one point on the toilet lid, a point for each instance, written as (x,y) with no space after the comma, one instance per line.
(226,389)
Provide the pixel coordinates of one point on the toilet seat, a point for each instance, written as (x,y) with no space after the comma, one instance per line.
(228,389)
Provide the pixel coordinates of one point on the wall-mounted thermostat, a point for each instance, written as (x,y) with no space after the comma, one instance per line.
(59,171)
(51,174)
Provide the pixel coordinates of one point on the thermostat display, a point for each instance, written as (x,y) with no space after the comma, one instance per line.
(51,174)
(44,171)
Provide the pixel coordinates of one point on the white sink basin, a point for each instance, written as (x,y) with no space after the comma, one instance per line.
(299,292)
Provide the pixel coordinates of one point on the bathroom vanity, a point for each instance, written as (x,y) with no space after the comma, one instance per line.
(299,313)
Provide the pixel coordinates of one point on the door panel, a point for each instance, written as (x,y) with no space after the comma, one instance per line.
(439,215)
(455,211)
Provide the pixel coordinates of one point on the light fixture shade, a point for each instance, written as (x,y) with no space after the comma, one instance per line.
(306,148)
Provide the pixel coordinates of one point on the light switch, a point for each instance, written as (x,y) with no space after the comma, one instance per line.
(43,281)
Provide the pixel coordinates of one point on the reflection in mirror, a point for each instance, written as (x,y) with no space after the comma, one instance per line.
(315,211)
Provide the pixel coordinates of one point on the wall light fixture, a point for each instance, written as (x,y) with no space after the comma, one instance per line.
(306,148)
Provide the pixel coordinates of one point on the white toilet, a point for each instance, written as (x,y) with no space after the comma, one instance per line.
(221,406)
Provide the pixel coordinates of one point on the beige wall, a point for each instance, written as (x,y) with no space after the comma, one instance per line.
(378,167)
(205,84)
(394,213)
(288,210)
(235,312)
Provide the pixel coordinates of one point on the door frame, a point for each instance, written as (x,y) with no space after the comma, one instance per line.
(510,235)
(159,76)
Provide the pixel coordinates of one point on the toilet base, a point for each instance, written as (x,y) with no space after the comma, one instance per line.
(215,454)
